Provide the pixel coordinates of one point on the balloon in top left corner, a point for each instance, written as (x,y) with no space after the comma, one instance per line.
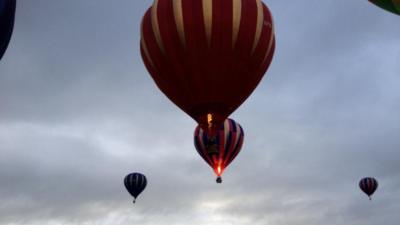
(7,14)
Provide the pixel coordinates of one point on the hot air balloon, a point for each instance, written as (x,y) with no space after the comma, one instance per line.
(207,56)
(135,183)
(7,13)
(219,150)
(389,5)
(368,185)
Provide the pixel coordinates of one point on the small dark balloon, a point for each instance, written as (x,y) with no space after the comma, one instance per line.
(135,183)
(368,185)
(7,14)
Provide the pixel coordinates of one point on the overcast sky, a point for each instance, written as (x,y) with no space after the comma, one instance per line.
(78,111)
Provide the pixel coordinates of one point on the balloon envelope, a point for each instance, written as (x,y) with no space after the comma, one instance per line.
(368,185)
(135,183)
(207,56)
(389,5)
(7,13)
(219,150)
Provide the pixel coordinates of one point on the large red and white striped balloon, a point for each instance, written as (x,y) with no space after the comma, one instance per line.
(207,56)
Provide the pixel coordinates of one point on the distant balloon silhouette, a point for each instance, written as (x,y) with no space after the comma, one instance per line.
(389,5)
(135,183)
(368,185)
(7,13)
(219,150)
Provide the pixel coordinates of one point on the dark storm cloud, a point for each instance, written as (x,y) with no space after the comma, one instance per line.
(79,111)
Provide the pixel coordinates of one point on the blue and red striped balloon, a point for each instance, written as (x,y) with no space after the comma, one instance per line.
(368,185)
(220,149)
